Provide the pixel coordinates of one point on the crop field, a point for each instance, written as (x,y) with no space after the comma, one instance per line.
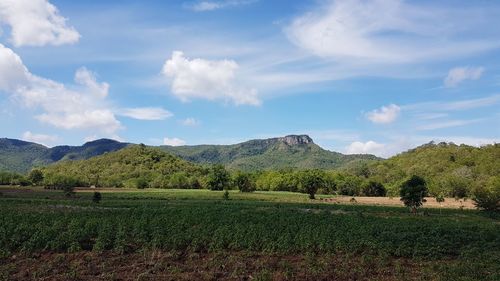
(197,235)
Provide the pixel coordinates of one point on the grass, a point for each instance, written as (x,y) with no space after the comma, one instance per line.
(448,245)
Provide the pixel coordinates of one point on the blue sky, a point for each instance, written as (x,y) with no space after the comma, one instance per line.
(357,76)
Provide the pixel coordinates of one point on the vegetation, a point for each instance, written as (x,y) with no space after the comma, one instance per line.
(218,178)
(488,197)
(459,245)
(96,198)
(413,192)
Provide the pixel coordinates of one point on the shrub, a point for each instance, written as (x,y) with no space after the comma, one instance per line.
(97,197)
(36,176)
(413,192)
(141,183)
(218,178)
(373,188)
(226,195)
(488,197)
(244,183)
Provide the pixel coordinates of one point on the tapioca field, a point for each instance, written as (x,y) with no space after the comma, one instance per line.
(216,235)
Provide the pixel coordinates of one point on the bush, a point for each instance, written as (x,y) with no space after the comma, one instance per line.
(218,178)
(244,183)
(375,189)
(141,183)
(36,176)
(488,197)
(413,192)
(97,197)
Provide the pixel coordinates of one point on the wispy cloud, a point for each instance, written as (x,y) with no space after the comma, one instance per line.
(146,113)
(173,141)
(447,124)
(459,74)
(205,6)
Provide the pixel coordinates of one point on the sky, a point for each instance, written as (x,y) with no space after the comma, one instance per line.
(357,76)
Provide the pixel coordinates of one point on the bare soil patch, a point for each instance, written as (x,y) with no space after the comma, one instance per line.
(388,201)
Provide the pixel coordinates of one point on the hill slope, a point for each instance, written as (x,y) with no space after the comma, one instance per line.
(20,156)
(446,166)
(129,167)
(294,151)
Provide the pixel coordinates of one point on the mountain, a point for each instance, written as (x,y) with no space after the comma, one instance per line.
(134,166)
(293,151)
(21,156)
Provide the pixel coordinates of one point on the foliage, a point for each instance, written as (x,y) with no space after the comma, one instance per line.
(373,188)
(36,176)
(413,192)
(218,178)
(243,182)
(226,195)
(96,198)
(488,197)
(440,198)
(311,181)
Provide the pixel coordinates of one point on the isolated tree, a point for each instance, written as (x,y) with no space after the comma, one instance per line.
(218,178)
(311,181)
(96,198)
(243,182)
(440,199)
(36,176)
(373,188)
(487,197)
(413,192)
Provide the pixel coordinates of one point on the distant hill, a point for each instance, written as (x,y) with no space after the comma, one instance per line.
(130,167)
(443,165)
(21,156)
(294,151)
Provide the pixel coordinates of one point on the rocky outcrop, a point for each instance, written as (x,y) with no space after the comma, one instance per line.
(296,139)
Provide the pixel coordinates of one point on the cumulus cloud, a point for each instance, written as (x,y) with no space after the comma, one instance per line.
(204,6)
(388,31)
(173,141)
(82,107)
(384,115)
(146,113)
(369,147)
(190,122)
(36,23)
(459,74)
(207,79)
(39,138)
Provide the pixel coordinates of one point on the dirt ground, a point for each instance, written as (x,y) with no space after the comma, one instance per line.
(388,201)
(158,265)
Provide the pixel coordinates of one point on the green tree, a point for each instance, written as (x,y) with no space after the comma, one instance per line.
(311,181)
(440,199)
(413,192)
(36,176)
(218,178)
(375,189)
(243,182)
(487,197)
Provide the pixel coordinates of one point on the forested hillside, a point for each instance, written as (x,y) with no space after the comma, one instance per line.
(21,156)
(290,152)
(136,166)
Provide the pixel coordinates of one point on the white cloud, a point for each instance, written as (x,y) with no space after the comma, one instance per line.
(447,124)
(191,122)
(83,107)
(173,141)
(369,147)
(207,79)
(459,74)
(389,31)
(146,113)
(39,138)
(36,23)
(204,6)
(384,115)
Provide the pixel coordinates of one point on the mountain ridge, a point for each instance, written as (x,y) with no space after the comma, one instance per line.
(291,151)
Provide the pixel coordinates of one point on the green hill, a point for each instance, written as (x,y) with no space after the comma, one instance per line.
(447,167)
(21,156)
(294,151)
(130,167)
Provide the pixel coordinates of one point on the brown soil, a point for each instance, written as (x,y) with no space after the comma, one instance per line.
(387,201)
(156,265)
